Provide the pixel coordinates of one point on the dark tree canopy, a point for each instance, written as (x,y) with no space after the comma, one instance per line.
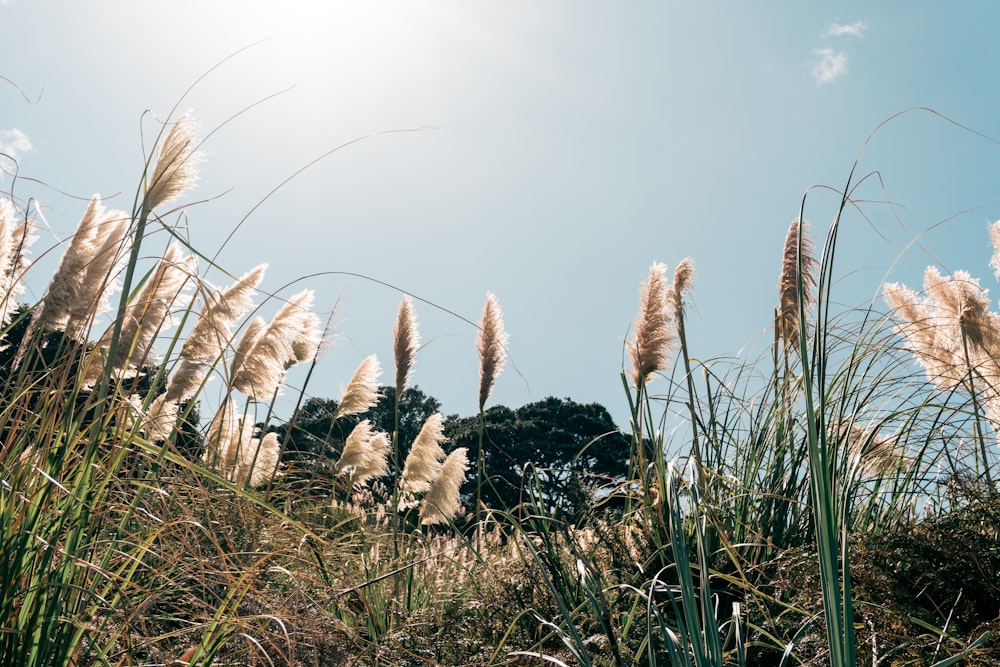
(314,433)
(573,447)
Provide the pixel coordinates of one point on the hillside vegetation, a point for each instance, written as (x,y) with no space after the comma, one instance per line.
(832,502)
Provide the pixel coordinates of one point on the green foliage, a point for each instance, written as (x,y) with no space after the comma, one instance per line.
(574,450)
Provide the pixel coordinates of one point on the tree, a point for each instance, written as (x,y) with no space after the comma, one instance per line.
(573,448)
(314,433)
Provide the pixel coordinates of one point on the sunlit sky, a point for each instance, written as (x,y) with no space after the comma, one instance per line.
(557,149)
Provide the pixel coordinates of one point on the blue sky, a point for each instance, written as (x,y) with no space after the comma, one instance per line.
(559,148)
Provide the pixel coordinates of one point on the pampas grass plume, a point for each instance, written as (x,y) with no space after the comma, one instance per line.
(365,453)
(145,318)
(965,306)
(920,334)
(212,333)
(160,419)
(80,287)
(994,230)
(8,216)
(950,330)
(406,340)
(875,455)
(259,366)
(176,167)
(230,443)
(491,345)
(259,460)
(14,242)
(683,277)
(362,390)
(423,463)
(307,341)
(220,312)
(98,280)
(251,334)
(64,287)
(443,501)
(797,253)
(654,335)
(220,449)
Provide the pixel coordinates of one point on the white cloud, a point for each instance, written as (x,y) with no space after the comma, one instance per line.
(831,66)
(14,142)
(856,29)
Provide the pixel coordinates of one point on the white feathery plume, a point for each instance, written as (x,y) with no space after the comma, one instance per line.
(160,419)
(920,336)
(950,330)
(406,340)
(443,500)
(365,454)
(8,218)
(80,287)
(262,367)
(354,447)
(873,454)
(64,287)
(362,390)
(307,341)
(176,167)
(149,314)
(654,336)
(683,277)
(377,463)
(100,275)
(259,460)
(222,309)
(221,433)
(964,305)
(240,451)
(954,336)
(14,242)
(228,437)
(211,334)
(491,344)
(423,463)
(994,231)
(251,333)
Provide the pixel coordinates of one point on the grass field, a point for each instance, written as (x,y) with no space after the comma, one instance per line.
(831,502)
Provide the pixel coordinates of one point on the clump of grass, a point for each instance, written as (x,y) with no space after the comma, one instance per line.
(769,510)
(840,439)
(119,546)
